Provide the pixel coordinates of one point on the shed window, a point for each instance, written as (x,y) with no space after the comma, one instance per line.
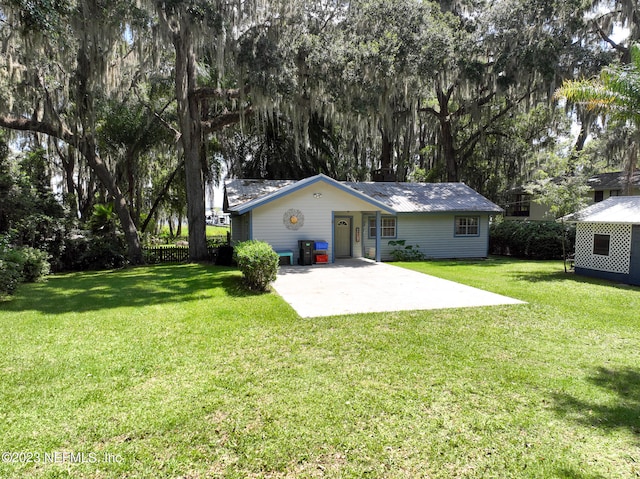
(387,227)
(601,244)
(467,225)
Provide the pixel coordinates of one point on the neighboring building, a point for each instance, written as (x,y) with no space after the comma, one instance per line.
(608,239)
(521,205)
(445,220)
(606,185)
(217,218)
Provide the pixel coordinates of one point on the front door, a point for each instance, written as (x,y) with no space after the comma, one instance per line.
(342,237)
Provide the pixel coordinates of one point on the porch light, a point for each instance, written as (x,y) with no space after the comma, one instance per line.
(317,195)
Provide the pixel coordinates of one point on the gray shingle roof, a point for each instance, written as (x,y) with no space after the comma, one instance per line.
(426,197)
(400,197)
(612,181)
(616,209)
(241,191)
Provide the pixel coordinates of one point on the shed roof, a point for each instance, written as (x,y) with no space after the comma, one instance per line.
(242,195)
(616,209)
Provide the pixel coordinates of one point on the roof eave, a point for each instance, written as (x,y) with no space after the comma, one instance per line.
(454,211)
(603,222)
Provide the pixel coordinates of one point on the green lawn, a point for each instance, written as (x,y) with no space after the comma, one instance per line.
(211,230)
(176,371)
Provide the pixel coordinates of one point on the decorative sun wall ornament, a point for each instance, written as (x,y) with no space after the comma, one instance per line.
(293,219)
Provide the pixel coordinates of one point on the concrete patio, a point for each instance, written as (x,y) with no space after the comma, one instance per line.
(364,286)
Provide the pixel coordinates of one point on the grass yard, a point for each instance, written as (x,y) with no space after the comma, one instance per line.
(178,372)
(211,230)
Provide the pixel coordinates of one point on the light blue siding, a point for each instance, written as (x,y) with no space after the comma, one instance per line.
(240,228)
(319,203)
(434,234)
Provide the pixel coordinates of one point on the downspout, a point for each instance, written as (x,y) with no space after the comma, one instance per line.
(378,233)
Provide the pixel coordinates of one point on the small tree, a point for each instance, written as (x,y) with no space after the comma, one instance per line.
(562,198)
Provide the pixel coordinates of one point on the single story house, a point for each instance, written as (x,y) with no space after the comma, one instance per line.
(608,239)
(358,219)
(521,205)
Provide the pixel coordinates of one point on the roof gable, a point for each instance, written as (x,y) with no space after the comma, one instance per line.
(616,209)
(259,192)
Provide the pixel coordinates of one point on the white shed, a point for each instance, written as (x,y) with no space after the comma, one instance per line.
(608,239)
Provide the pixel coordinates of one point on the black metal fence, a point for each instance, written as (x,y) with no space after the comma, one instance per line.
(180,254)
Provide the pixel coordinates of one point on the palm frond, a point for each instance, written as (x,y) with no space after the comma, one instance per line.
(616,91)
(590,93)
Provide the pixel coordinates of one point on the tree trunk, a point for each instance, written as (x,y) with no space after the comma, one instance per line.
(448,149)
(585,119)
(630,167)
(446,137)
(131,185)
(134,248)
(72,198)
(190,126)
(386,157)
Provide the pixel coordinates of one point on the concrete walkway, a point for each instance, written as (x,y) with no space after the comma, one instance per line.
(363,286)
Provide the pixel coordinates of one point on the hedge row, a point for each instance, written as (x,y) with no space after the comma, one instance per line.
(531,239)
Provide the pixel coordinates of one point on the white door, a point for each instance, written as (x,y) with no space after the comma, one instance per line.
(342,237)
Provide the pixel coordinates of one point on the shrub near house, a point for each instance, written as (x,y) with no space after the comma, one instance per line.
(258,262)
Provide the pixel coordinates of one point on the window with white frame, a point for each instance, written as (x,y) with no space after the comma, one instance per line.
(387,227)
(467,226)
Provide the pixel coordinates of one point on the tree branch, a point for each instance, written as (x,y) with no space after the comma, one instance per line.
(158,116)
(29,124)
(161,195)
(616,46)
(470,142)
(477,103)
(430,110)
(219,93)
(225,119)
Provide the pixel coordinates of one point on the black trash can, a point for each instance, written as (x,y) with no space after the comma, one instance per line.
(306,252)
